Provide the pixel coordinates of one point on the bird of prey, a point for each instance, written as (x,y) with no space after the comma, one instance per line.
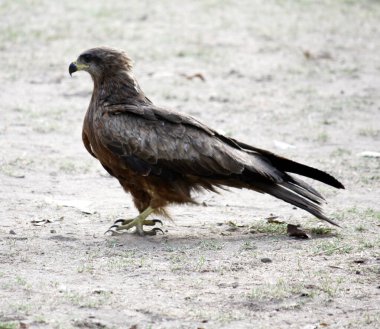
(161,156)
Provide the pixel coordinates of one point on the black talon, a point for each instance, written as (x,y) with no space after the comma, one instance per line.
(118,227)
(155,221)
(112,229)
(157,229)
(113,232)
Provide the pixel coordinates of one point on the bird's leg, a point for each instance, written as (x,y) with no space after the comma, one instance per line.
(147,222)
(138,222)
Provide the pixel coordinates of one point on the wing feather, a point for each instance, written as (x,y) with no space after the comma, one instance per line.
(168,140)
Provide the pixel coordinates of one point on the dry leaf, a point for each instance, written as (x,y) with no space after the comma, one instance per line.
(272,220)
(293,230)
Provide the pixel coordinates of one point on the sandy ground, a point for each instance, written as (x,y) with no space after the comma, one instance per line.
(301,78)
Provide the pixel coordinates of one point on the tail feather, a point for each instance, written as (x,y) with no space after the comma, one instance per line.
(304,185)
(284,186)
(288,194)
(293,167)
(303,170)
(303,192)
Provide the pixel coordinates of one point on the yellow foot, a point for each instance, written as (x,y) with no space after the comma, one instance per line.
(121,226)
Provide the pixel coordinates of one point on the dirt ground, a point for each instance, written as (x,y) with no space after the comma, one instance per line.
(301,78)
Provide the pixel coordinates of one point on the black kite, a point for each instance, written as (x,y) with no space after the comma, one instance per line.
(160,156)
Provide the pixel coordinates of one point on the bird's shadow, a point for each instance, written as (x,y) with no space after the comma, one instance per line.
(191,240)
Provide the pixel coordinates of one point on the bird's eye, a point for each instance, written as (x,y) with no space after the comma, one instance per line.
(86,58)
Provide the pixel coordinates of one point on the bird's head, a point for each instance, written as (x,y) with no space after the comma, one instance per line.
(102,62)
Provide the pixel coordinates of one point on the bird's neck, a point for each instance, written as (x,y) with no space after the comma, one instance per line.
(117,89)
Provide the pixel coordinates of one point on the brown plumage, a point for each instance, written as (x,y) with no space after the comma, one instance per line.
(160,156)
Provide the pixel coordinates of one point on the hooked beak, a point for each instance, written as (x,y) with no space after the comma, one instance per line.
(72,68)
(75,66)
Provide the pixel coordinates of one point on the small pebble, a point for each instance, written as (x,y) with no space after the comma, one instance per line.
(12,232)
(266,260)
(53,231)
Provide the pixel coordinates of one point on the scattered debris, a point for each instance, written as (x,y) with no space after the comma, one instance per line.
(200,76)
(273,220)
(283,145)
(18,238)
(322,231)
(234,227)
(17,176)
(219,99)
(40,222)
(369,154)
(89,324)
(307,54)
(101,291)
(293,230)
(360,261)
(263,78)
(337,267)
(248,245)
(235,73)
(83,206)
(62,238)
(312,56)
